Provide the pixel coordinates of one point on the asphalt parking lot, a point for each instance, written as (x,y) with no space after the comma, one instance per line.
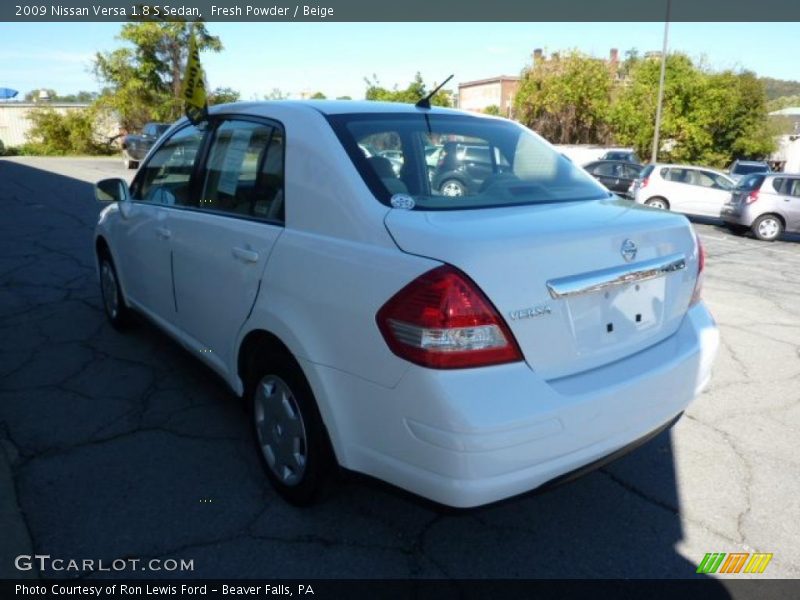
(117,446)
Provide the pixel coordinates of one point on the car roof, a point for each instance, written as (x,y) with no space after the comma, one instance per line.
(336,107)
(695,167)
(750,162)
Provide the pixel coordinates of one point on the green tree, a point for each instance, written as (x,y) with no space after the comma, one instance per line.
(707,118)
(55,133)
(276,94)
(319,96)
(223,95)
(415,91)
(492,109)
(143,79)
(566,98)
(343,98)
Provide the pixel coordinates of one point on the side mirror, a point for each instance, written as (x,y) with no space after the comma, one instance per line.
(112,190)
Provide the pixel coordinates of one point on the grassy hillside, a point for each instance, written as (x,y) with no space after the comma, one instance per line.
(776,88)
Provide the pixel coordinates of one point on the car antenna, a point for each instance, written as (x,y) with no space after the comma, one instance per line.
(426,101)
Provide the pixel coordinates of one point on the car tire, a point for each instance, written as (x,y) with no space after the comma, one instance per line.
(767,228)
(452,187)
(659,203)
(737,229)
(114,306)
(288,430)
(129,162)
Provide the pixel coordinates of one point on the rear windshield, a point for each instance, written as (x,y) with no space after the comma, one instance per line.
(458,162)
(750,182)
(741,169)
(645,173)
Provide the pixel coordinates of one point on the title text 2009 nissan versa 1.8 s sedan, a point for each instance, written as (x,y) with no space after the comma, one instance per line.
(466,348)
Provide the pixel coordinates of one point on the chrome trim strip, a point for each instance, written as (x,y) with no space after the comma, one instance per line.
(588,283)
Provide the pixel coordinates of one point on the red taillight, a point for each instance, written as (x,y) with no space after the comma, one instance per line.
(645,181)
(442,320)
(701,264)
(751,197)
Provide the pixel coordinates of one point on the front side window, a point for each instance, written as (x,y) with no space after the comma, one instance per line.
(459,162)
(244,171)
(165,178)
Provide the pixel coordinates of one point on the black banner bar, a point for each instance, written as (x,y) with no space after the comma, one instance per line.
(403,11)
(705,588)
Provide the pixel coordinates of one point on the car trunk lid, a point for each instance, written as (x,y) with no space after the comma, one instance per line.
(557,274)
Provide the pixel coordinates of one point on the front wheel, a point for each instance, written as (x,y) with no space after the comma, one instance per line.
(767,228)
(289,432)
(117,312)
(658,203)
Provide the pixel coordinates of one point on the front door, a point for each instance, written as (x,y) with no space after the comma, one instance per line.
(145,252)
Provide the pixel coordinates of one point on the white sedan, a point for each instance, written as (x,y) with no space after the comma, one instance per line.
(683,188)
(464,348)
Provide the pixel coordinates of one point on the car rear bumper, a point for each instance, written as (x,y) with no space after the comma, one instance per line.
(737,215)
(470,437)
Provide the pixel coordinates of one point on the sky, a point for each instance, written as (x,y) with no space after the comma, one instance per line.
(334,58)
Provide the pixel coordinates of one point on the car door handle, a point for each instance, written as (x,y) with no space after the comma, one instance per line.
(246,255)
(163,233)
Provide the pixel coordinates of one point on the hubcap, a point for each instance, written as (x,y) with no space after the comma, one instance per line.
(658,204)
(451,188)
(280,429)
(108,285)
(768,228)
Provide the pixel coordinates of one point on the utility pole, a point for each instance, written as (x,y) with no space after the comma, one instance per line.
(654,154)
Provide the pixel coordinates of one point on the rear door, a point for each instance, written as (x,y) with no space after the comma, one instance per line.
(222,246)
(712,193)
(791,204)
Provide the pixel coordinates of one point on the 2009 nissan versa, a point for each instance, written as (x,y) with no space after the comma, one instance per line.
(466,348)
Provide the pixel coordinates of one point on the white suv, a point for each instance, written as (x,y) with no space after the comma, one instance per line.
(464,348)
(683,188)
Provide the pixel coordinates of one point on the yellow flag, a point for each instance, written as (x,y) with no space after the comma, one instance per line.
(194,86)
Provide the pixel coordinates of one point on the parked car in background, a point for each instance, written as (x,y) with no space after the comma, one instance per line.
(617,175)
(136,147)
(623,155)
(740,168)
(463,168)
(683,188)
(465,348)
(766,204)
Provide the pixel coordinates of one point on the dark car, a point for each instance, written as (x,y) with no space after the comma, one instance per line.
(740,168)
(616,175)
(136,147)
(622,155)
(462,168)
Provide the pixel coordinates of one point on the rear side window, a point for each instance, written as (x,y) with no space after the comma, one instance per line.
(750,183)
(786,186)
(645,173)
(677,175)
(244,171)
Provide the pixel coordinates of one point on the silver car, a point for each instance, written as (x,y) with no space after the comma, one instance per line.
(765,203)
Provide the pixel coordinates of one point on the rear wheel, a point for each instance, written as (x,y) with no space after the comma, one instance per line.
(767,228)
(452,187)
(128,161)
(658,203)
(289,432)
